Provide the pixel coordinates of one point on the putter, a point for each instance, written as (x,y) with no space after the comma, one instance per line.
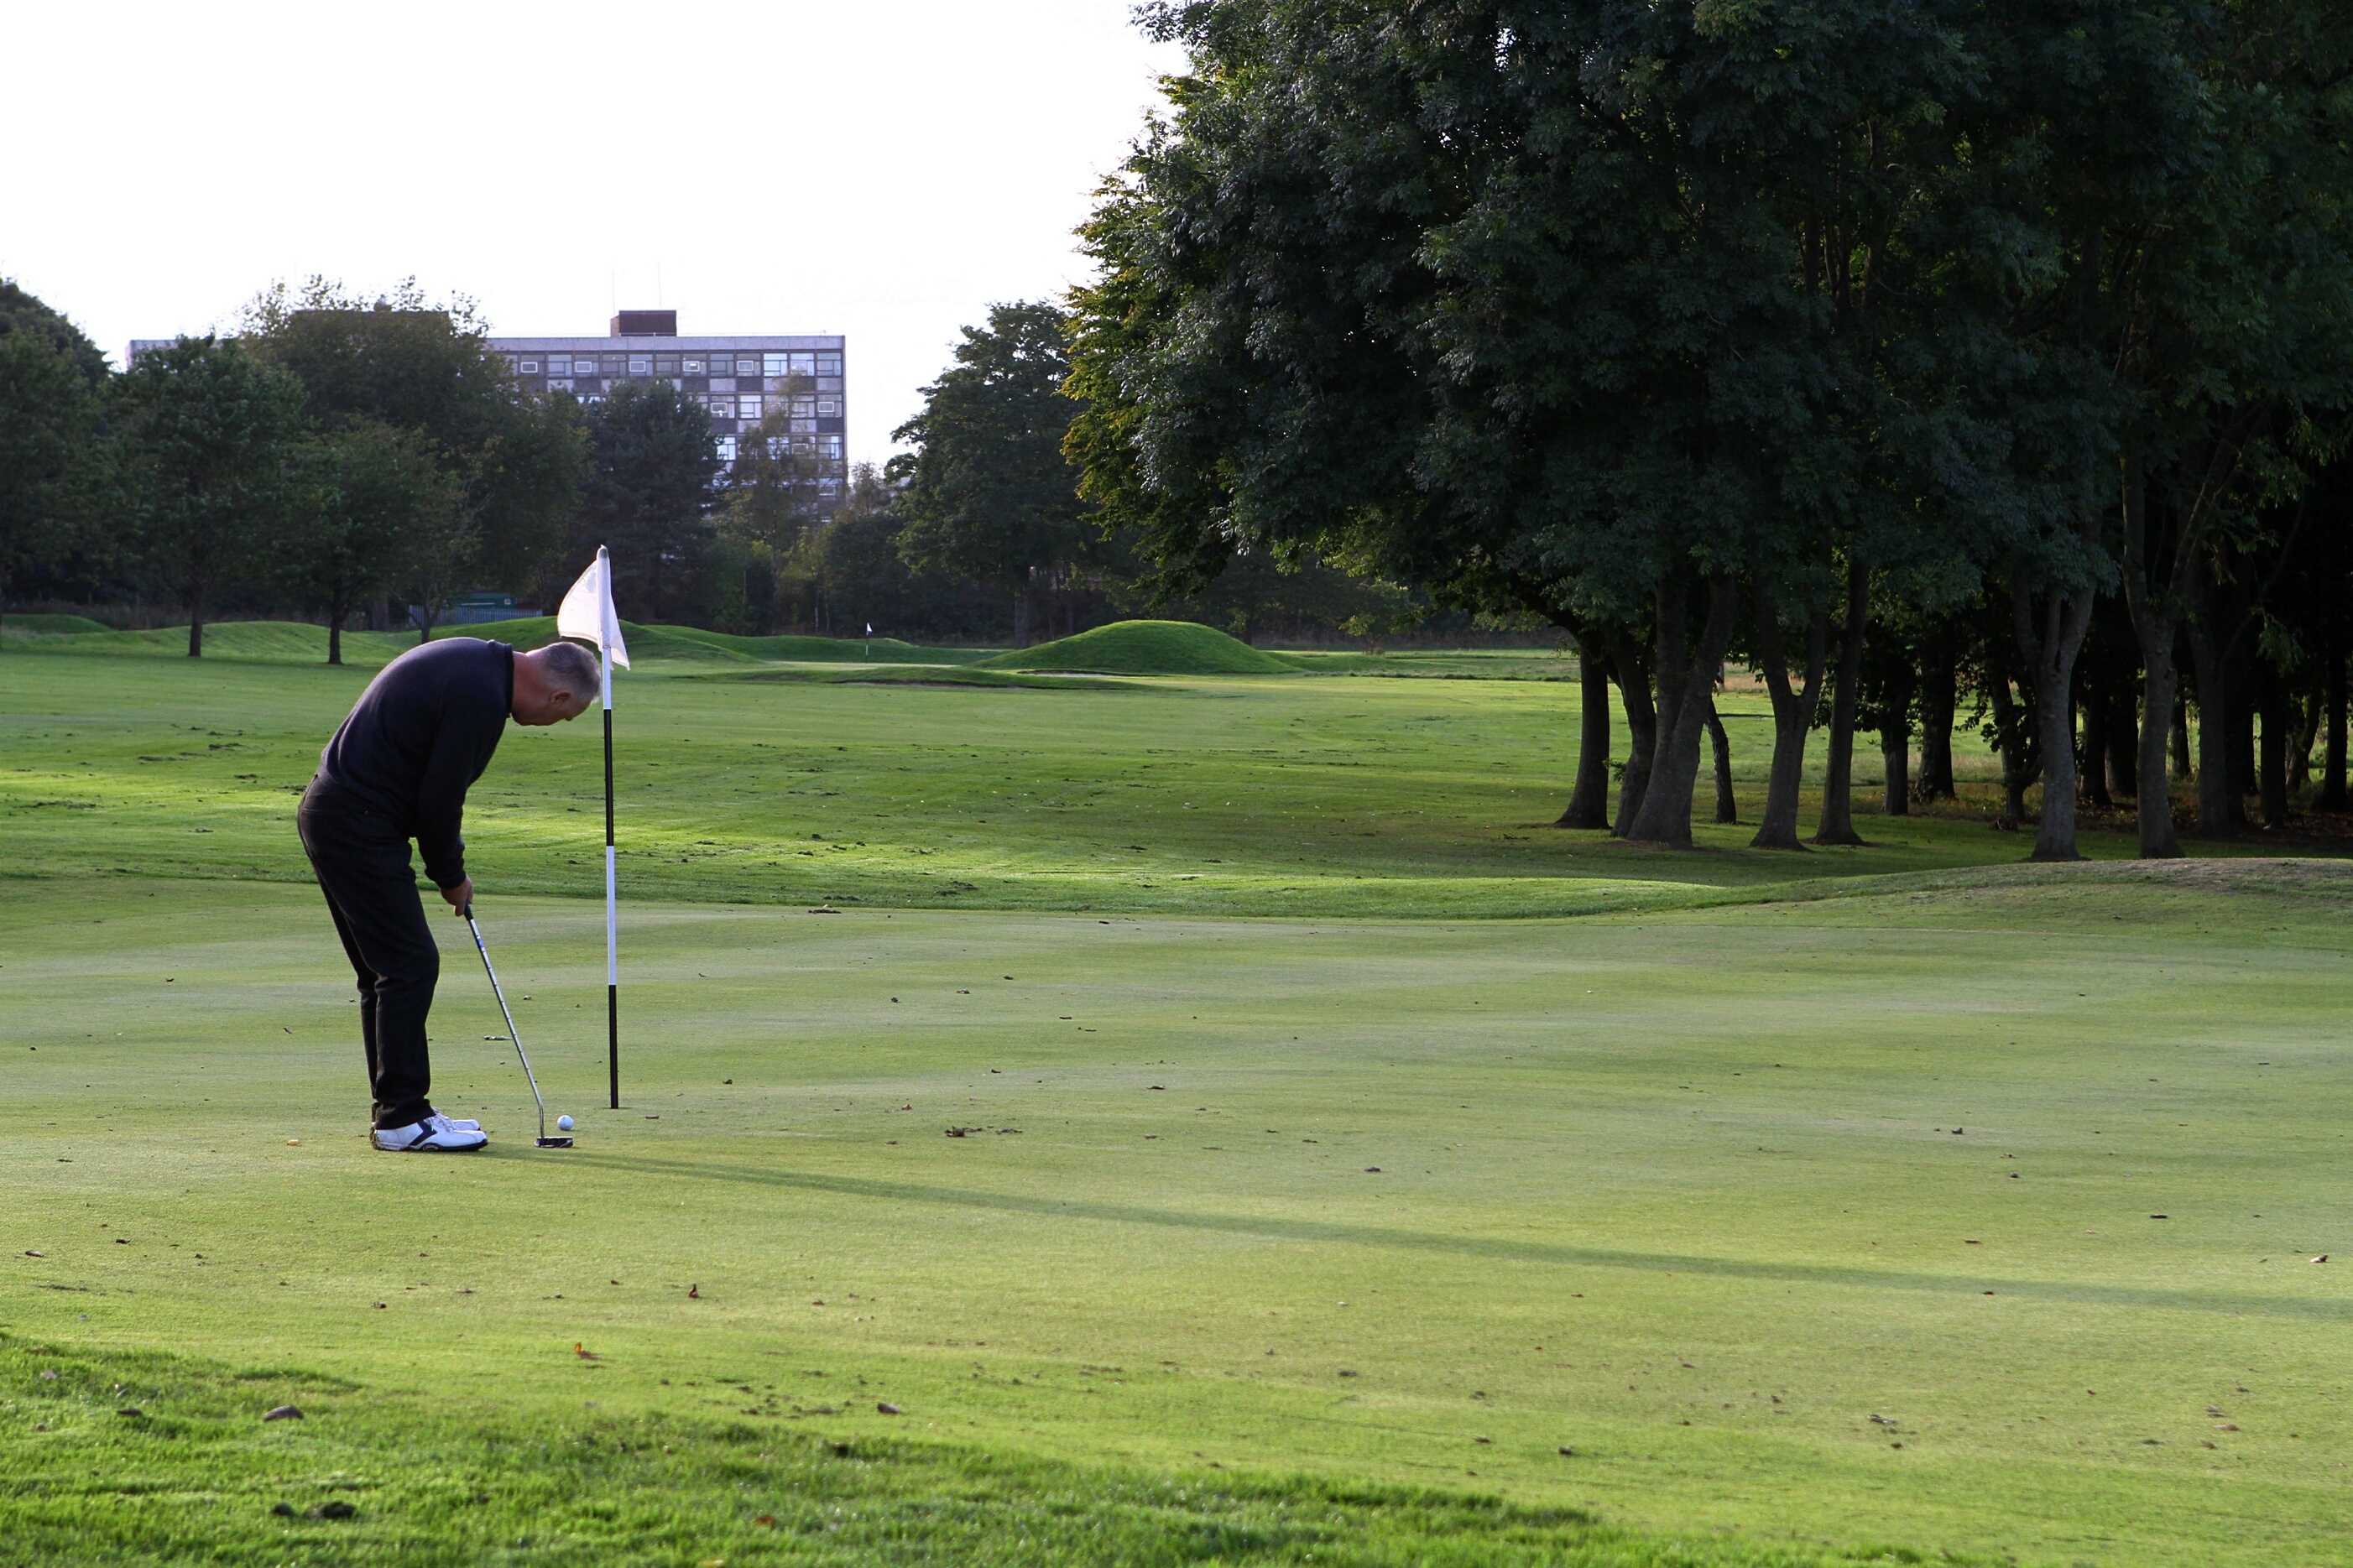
(514,1034)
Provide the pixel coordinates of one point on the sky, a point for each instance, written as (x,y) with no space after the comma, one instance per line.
(882,171)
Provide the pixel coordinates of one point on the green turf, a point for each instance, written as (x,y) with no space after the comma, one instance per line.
(289,642)
(905,785)
(1148,648)
(146,1457)
(1683,1195)
(1679,1191)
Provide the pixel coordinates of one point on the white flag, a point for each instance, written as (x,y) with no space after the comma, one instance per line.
(587,611)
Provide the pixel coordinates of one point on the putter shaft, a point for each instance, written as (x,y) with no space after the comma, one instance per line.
(514,1034)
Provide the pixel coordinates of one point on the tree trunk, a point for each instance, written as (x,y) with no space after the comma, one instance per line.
(2244,775)
(2123,749)
(2214,813)
(1837,825)
(1939,677)
(1588,803)
(1641,729)
(1793,717)
(2179,736)
(2050,635)
(1895,758)
(2299,743)
(2271,770)
(2160,705)
(335,614)
(1727,808)
(1685,671)
(1021,617)
(2018,768)
(196,608)
(2332,777)
(2092,766)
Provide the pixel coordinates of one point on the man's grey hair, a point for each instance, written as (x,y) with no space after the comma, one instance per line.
(572,665)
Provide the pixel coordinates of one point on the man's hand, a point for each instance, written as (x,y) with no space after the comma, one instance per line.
(460,896)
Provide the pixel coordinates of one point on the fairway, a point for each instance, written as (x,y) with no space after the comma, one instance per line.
(1746,1217)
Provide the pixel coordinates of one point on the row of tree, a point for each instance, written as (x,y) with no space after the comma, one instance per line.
(344,459)
(1894,347)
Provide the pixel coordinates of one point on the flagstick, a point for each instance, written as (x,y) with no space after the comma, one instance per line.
(612,921)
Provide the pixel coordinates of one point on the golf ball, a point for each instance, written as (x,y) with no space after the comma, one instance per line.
(563,1122)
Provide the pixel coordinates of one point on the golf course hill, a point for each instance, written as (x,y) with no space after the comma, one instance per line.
(1146,648)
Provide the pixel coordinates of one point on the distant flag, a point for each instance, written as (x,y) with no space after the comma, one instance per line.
(587,614)
(870,640)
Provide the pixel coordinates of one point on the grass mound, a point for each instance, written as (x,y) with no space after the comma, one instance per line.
(1147,647)
(50,625)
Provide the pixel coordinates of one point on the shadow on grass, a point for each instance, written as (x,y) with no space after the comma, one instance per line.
(2075,1293)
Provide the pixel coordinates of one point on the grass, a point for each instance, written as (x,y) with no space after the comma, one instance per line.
(189,1472)
(938,786)
(1320,1233)
(1148,648)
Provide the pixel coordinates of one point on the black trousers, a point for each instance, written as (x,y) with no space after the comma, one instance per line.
(363,866)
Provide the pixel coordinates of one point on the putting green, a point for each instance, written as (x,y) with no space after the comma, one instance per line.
(1831,1219)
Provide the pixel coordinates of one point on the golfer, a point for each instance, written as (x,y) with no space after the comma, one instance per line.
(398,769)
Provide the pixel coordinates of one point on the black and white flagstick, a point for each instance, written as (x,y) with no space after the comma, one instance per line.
(612,920)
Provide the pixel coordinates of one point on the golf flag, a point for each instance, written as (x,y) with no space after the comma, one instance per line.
(587,614)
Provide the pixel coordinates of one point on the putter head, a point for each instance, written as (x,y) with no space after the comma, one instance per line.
(555,1142)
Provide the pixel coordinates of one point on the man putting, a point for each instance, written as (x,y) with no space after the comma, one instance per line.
(398,769)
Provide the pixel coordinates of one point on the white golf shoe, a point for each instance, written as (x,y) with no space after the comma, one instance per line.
(437,1134)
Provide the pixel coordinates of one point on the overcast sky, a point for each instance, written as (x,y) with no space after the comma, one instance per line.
(884,170)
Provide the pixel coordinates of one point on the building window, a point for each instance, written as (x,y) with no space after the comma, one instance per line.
(828,487)
(665,364)
(828,407)
(689,366)
(641,364)
(723,364)
(527,367)
(748,409)
(802,364)
(829,365)
(559,364)
(726,445)
(616,365)
(830,446)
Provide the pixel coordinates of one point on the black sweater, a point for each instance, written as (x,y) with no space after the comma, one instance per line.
(418,737)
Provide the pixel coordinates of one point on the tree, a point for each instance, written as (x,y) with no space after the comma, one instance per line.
(46,427)
(651,462)
(23,312)
(203,438)
(989,494)
(516,459)
(1613,299)
(373,502)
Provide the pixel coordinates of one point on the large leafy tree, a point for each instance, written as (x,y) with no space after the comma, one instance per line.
(46,427)
(202,450)
(370,503)
(649,493)
(424,366)
(1601,304)
(24,312)
(989,493)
